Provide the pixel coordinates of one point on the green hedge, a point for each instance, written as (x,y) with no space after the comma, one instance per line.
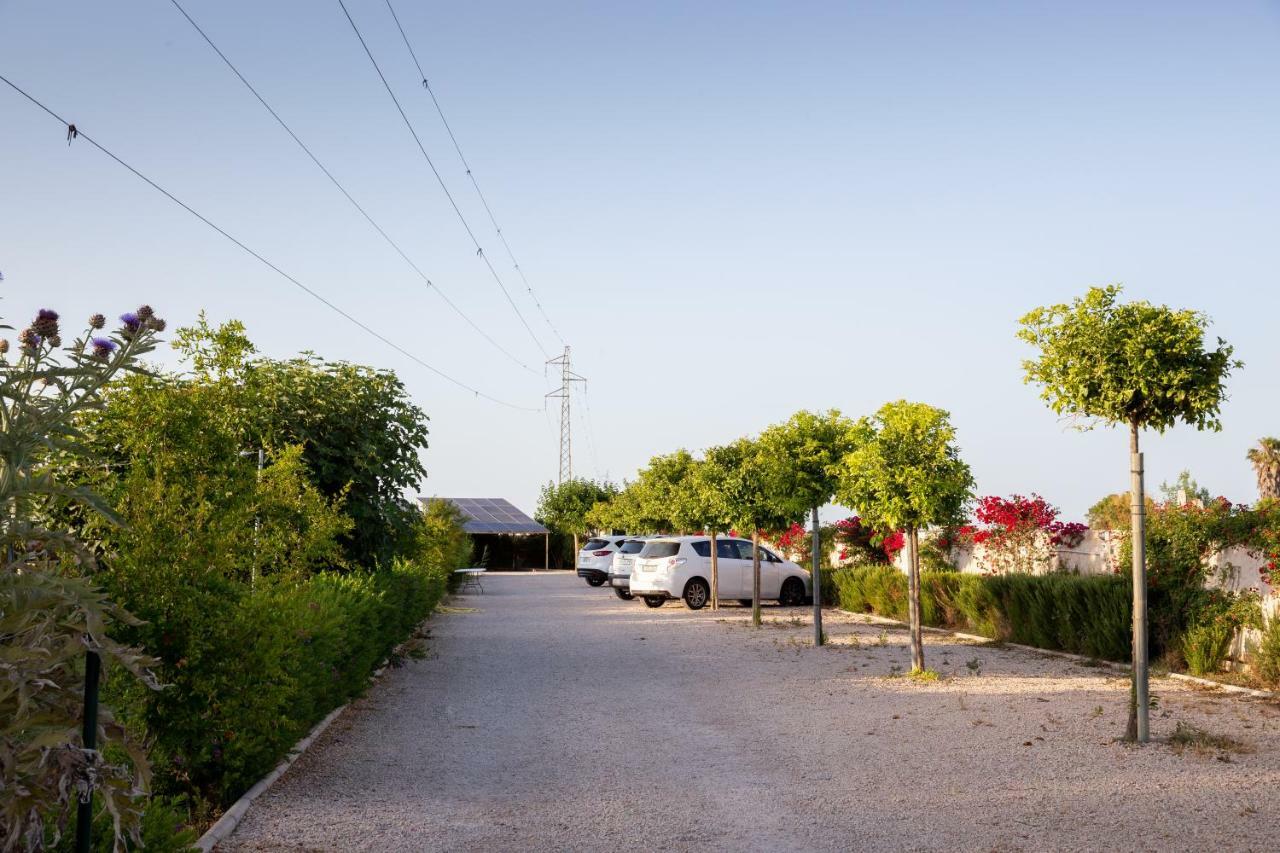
(1088,615)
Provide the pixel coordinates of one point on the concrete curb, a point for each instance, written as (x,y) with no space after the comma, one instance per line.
(231,818)
(1119,667)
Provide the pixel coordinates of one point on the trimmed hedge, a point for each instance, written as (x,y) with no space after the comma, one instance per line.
(1084,614)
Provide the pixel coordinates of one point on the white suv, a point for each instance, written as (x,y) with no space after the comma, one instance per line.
(680,567)
(623,560)
(596,556)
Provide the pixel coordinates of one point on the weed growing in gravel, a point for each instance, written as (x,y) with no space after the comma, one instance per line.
(1186,736)
(883,639)
(975,666)
(1096,712)
(924,676)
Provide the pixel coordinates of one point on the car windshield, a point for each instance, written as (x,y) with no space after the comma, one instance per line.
(593,544)
(660,549)
(632,546)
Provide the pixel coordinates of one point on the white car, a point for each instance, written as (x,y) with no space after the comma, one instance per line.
(680,567)
(596,557)
(623,560)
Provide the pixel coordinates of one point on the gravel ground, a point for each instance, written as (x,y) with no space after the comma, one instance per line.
(553,716)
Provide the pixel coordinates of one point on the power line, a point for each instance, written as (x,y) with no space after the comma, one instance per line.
(314,159)
(457,210)
(484,201)
(74,132)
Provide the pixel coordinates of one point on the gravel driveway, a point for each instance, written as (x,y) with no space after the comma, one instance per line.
(555,717)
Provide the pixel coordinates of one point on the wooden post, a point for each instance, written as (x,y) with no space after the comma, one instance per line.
(546,551)
(816,580)
(755,577)
(715,575)
(913,605)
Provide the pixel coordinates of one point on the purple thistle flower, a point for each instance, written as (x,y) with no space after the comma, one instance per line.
(130,321)
(103,347)
(46,323)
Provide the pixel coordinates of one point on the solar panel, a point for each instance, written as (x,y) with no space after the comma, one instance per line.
(491,515)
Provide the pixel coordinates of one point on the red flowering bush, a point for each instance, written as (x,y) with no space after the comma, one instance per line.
(1020,534)
(861,544)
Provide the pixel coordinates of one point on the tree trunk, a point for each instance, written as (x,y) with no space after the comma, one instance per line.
(755,577)
(715,575)
(1139,703)
(816,580)
(913,593)
(575,552)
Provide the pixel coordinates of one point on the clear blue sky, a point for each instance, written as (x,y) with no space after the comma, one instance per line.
(731,210)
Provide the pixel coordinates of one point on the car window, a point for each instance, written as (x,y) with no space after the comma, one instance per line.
(702,549)
(593,544)
(660,549)
(726,550)
(744,550)
(619,542)
(632,546)
(770,556)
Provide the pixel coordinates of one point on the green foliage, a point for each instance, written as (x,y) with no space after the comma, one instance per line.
(1266,658)
(906,471)
(1265,459)
(1185,484)
(1179,542)
(49,617)
(1114,512)
(360,437)
(1084,615)
(564,507)
(736,487)
(442,540)
(1130,363)
(803,457)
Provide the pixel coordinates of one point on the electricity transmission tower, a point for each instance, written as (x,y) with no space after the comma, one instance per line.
(567,376)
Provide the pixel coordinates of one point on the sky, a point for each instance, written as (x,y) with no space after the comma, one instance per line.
(730,211)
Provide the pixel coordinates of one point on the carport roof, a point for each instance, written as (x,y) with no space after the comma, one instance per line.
(491,515)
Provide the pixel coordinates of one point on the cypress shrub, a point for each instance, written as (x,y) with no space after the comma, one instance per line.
(1088,615)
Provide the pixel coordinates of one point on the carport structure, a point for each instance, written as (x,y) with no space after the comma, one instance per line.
(498,517)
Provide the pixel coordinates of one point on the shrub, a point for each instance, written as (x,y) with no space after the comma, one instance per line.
(1087,615)
(1266,659)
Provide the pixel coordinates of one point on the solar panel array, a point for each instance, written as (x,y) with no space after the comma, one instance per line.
(492,515)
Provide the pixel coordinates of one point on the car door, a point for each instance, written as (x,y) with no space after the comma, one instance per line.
(729,567)
(771,573)
(743,548)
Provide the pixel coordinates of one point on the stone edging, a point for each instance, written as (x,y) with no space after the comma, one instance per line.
(1120,667)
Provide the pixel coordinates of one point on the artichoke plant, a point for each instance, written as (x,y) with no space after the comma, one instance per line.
(52,615)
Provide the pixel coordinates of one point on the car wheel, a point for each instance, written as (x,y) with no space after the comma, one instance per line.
(624,594)
(792,594)
(696,594)
(654,600)
(595,580)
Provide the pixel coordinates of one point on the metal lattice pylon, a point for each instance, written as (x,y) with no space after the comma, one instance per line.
(567,377)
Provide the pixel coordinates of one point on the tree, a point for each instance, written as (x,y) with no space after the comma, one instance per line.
(1185,489)
(1137,364)
(1265,459)
(1114,513)
(565,507)
(659,491)
(704,507)
(361,435)
(741,475)
(803,458)
(907,474)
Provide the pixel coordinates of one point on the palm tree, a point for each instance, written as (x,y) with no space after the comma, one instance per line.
(1266,464)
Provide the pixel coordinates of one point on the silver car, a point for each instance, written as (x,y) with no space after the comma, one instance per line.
(620,570)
